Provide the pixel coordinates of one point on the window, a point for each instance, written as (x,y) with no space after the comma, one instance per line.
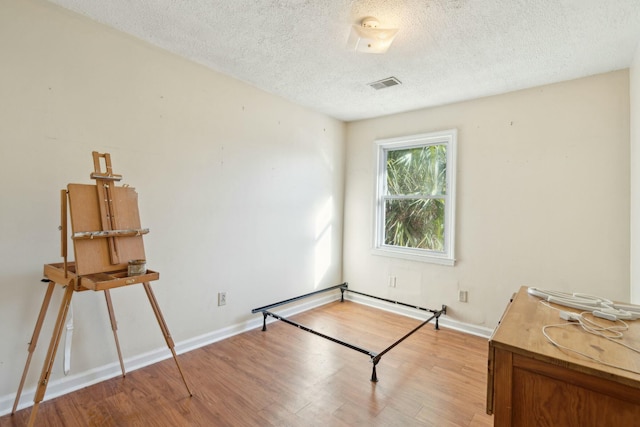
(415,197)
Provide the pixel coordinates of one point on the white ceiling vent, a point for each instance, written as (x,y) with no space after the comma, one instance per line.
(384,83)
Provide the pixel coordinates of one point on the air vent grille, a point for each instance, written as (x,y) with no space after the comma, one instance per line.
(385,83)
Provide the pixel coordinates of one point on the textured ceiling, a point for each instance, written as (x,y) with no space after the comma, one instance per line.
(445,51)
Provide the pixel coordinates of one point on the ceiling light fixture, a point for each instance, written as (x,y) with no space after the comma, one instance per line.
(367,37)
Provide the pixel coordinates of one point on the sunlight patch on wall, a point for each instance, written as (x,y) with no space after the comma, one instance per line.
(323,241)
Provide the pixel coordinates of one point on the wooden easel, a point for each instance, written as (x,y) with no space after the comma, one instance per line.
(106,234)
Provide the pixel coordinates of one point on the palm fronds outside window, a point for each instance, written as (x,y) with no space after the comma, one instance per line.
(414,204)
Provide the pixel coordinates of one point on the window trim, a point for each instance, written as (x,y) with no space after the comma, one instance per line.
(446,257)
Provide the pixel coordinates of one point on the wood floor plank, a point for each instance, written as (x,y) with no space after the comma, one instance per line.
(288,377)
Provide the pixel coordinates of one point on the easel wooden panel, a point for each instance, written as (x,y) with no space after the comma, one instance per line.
(92,255)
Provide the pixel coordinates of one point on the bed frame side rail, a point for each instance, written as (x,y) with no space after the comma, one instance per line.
(369,353)
(436,313)
(341,286)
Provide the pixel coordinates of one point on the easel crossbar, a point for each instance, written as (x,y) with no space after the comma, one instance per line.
(109,233)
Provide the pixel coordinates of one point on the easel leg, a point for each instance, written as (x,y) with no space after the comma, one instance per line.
(165,330)
(34,340)
(114,327)
(51,353)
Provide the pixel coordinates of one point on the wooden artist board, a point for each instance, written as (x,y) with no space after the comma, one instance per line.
(92,255)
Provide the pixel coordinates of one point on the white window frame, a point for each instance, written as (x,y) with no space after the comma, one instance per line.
(382,146)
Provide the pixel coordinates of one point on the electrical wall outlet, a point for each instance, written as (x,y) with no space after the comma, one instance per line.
(392,281)
(222,298)
(463,296)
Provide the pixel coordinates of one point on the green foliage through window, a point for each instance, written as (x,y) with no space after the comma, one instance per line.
(414,204)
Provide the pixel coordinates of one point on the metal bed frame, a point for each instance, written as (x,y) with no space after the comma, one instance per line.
(344,287)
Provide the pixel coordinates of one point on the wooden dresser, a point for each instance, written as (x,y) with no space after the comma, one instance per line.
(531,382)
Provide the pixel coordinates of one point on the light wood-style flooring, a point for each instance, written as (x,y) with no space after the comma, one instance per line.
(288,377)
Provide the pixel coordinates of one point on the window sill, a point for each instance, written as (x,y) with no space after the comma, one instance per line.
(413,256)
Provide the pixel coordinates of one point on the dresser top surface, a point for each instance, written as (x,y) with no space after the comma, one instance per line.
(521,331)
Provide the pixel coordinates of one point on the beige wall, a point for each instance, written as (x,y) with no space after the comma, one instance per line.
(634,83)
(242,190)
(543,198)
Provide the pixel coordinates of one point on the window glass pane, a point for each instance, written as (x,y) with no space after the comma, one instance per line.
(420,170)
(416,223)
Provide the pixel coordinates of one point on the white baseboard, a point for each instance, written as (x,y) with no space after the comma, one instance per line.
(80,380)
